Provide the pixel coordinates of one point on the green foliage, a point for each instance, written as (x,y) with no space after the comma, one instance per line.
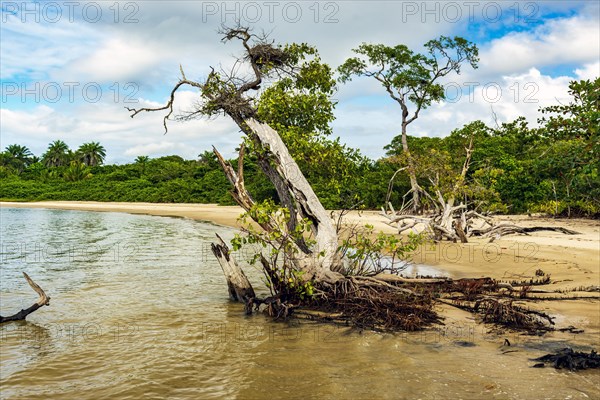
(167,179)
(515,168)
(409,76)
(91,154)
(578,119)
(278,247)
(76,172)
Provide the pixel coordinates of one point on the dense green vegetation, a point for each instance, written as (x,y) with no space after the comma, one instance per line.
(552,168)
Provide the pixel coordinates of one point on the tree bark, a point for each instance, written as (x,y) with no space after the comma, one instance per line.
(414,185)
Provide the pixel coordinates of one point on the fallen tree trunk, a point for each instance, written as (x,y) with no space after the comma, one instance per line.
(503,229)
(44,300)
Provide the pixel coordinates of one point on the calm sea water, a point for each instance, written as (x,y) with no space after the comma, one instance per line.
(139,309)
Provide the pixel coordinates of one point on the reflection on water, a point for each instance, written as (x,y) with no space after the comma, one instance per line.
(414,270)
(139,310)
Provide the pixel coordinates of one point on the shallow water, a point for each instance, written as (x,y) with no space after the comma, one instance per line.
(139,310)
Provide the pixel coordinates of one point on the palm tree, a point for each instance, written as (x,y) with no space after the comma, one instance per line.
(19,152)
(142,159)
(57,154)
(77,171)
(91,154)
(19,156)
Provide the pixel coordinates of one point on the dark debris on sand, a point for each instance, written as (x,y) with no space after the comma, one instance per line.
(569,359)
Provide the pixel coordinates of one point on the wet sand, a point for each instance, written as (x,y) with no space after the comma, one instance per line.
(573,262)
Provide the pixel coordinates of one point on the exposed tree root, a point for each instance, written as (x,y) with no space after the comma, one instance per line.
(406,304)
(507,314)
(377,305)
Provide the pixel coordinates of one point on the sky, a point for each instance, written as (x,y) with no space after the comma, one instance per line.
(69,69)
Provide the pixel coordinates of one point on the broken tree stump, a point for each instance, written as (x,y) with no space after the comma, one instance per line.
(239,286)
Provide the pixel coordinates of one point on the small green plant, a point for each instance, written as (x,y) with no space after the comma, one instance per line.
(370,254)
(278,248)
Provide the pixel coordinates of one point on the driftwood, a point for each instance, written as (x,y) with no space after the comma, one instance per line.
(44,300)
(455,224)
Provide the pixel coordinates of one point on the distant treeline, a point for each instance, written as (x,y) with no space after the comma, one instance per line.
(553,168)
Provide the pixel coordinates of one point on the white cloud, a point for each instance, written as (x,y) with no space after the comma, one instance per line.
(121,135)
(564,40)
(37,49)
(116,60)
(589,71)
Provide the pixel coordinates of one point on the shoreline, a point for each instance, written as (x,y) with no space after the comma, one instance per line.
(213,213)
(572,261)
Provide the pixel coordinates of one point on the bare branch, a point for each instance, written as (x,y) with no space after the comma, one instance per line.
(169,105)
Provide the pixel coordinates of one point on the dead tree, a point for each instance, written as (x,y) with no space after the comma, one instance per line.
(383,302)
(44,300)
(449,220)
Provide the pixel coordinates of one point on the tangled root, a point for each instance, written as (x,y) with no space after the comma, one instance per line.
(512,316)
(378,307)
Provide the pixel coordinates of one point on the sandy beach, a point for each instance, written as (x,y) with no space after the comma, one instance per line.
(573,262)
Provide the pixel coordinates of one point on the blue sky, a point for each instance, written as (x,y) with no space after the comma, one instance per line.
(68,69)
